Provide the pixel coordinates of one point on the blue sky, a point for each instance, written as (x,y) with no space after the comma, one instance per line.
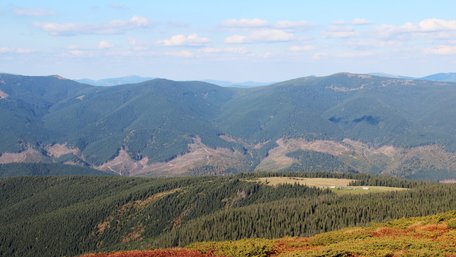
(226,40)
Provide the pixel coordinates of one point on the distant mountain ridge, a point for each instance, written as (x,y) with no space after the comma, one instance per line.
(386,75)
(445,77)
(138,79)
(115,81)
(343,122)
(244,84)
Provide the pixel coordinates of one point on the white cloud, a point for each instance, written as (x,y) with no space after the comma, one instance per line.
(340,32)
(33,12)
(369,43)
(356,21)
(181,54)
(261,36)
(356,54)
(114,27)
(360,21)
(442,50)
(236,39)
(137,21)
(7,50)
(245,23)
(215,50)
(300,48)
(183,40)
(104,45)
(292,24)
(436,27)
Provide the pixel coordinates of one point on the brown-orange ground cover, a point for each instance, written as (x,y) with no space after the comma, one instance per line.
(422,236)
(153,253)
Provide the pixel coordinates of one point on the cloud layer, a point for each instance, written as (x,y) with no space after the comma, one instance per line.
(184,40)
(113,27)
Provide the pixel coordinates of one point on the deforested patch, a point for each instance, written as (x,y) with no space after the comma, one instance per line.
(345,89)
(58,150)
(29,155)
(386,159)
(123,164)
(3,95)
(198,155)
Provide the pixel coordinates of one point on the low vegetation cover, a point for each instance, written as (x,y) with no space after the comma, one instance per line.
(420,236)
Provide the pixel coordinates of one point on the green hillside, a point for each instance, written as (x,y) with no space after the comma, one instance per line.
(367,108)
(28,100)
(56,216)
(358,123)
(420,236)
(156,118)
(47,169)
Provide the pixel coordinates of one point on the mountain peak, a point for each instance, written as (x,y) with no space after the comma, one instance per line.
(58,77)
(351,75)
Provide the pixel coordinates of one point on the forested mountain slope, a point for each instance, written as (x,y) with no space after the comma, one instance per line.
(61,216)
(421,236)
(343,122)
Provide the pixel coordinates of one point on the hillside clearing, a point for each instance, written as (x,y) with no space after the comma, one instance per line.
(337,185)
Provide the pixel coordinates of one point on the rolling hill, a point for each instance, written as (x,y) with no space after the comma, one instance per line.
(48,169)
(115,81)
(446,77)
(343,122)
(71,215)
(423,236)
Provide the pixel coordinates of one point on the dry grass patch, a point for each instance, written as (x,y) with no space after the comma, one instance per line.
(339,186)
(312,182)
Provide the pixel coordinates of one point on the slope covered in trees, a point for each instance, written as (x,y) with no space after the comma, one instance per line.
(47,169)
(421,236)
(380,125)
(55,216)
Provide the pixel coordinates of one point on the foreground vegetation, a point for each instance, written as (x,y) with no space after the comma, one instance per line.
(421,236)
(62,216)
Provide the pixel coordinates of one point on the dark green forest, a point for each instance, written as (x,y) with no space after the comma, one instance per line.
(47,169)
(69,215)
